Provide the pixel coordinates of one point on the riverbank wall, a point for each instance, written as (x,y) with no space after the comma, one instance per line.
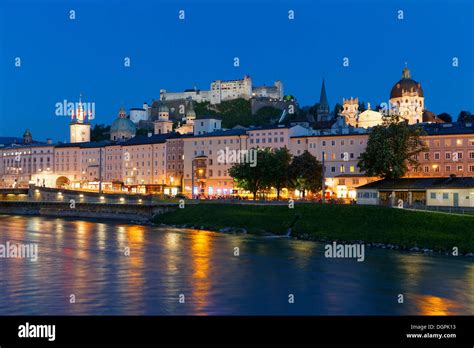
(140,213)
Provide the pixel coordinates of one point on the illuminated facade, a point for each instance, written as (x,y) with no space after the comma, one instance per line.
(80,128)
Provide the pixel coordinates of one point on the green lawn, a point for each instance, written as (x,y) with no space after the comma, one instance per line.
(371,224)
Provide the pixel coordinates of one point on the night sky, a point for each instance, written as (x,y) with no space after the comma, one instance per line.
(61,58)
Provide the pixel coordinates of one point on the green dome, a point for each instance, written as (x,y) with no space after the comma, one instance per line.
(163,108)
(123,125)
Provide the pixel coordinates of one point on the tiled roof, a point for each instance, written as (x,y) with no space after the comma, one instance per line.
(221,133)
(449,128)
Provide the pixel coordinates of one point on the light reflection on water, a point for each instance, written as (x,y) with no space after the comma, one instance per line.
(89,260)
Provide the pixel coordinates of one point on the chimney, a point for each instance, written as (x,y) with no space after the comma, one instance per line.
(49,141)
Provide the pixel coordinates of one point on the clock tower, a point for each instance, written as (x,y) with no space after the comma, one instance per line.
(80,128)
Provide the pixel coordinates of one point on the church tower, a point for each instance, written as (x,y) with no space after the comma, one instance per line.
(190,113)
(27,137)
(350,111)
(80,128)
(163,124)
(323,107)
(407,99)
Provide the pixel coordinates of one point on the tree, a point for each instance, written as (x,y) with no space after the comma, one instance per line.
(465,116)
(306,173)
(280,169)
(204,109)
(268,115)
(445,117)
(338,108)
(100,132)
(256,178)
(391,148)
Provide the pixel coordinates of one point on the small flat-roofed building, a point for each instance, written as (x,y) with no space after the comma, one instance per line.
(435,192)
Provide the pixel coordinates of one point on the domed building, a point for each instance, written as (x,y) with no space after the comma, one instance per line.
(407,98)
(190,113)
(163,124)
(122,128)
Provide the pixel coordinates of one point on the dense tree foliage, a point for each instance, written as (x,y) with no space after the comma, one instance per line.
(465,116)
(277,169)
(100,132)
(391,148)
(445,117)
(238,112)
(253,178)
(306,173)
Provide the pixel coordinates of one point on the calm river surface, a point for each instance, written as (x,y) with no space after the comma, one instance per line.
(88,259)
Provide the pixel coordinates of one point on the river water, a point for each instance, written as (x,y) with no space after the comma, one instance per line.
(84,268)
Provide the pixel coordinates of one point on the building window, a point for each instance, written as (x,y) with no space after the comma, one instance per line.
(352,169)
(333,169)
(448,168)
(459,142)
(460,168)
(342,181)
(436,155)
(342,169)
(426,169)
(447,155)
(427,156)
(433,195)
(445,195)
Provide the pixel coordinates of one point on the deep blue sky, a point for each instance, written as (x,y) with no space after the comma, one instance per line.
(63,58)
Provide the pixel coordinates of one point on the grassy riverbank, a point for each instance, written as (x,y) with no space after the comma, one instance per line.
(335,222)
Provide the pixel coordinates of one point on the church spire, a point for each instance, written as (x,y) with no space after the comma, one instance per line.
(323,100)
(322,109)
